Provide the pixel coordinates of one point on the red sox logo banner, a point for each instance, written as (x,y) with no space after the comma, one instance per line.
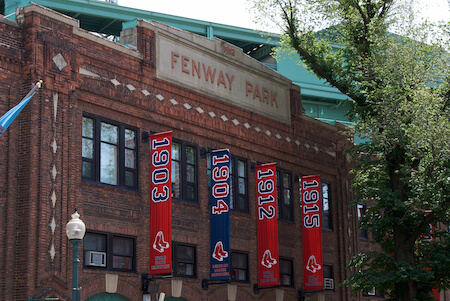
(267,225)
(161,203)
(312,233)
(220,215)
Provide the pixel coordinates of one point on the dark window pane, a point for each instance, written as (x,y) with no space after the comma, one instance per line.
(94,242)
(232,205)
(190,193)
(242,189)
(129,179)
(87,170)
(190,155)
(123,246)
(184,260)
(287,197)
(88,127)
(185,253)
(242,203)
(123,263)
(239,266)
(286,268)
(190,173)
(186,269)
(327,271)
(285,279)
(129,158)
(87,148)
(176,171)
(238,274)
(109,133)
(108,164)
(286,180)
(239,260)
(130,137)
(241,168)
(176,179)
(176,155)
(284,190)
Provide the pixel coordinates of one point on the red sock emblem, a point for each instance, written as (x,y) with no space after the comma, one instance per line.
(219,253)
(160,245)
(267,260)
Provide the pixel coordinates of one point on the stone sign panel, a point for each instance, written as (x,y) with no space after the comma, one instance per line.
(222,71)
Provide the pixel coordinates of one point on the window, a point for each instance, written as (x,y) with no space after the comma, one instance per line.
(328,277)
(238,183)
(110,251)
(109,152)
(362,232)
(238,180)
(286,270)
(184,261)
(284,190)
(184,172)
(239,266)
(327,222)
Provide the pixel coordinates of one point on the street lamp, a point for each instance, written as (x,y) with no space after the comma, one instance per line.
(75,230)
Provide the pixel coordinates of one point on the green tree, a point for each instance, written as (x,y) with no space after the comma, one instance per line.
(398,87)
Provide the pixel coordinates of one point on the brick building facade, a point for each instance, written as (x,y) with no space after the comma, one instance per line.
(57,157)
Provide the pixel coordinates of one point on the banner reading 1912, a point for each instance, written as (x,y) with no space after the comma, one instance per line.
(220,215)
(267,225)
(161,203)
(312,233)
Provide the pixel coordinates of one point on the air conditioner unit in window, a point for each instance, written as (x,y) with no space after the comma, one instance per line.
(372,292)
(95,259)
(328,283)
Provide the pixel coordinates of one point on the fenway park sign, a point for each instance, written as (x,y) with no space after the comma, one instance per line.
(222,71)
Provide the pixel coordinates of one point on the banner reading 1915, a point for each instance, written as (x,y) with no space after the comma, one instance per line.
(220,215)
(161,203)
(312,233)
(267,225)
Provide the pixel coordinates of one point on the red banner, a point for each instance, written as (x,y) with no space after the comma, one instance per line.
(267,225)
(161,203)
(312,233)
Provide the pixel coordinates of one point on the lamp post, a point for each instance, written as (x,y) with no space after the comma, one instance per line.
(75,230)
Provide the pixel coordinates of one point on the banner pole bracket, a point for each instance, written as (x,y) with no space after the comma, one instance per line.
(206,283)
(149,284)
(256,288)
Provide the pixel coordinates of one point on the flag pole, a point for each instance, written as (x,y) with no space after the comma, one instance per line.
(8,117)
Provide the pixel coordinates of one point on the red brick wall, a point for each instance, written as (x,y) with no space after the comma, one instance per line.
(27,196)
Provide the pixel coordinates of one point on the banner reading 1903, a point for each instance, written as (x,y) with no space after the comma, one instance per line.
(161,203)
(220,215)
(312,233)
(267,225)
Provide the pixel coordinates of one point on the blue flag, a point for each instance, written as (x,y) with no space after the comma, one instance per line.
(8,118)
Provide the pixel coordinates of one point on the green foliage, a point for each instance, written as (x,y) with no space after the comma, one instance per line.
(399,89)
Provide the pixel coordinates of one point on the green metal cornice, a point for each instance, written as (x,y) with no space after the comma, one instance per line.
(107,18)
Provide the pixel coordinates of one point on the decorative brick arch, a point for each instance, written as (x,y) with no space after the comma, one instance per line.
(97,284)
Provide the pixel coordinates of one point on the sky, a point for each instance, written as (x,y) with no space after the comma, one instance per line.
(236,12)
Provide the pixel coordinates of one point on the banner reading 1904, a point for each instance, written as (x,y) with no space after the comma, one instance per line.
(161,203)
(267,225)
(312,233)
(220,215)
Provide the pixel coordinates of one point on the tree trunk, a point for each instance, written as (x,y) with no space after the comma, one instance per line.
(403,242)
(404,253)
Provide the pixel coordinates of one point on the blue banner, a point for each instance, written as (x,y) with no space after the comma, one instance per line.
(220,215)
